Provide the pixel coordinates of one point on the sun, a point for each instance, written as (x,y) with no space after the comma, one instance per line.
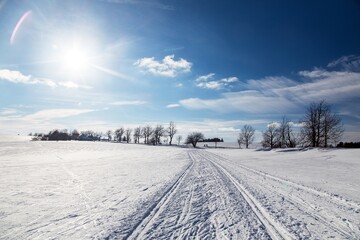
(75,60)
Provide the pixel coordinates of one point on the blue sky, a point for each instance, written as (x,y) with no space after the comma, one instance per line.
(211,66)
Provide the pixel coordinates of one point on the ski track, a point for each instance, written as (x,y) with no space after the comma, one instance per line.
(314,210)
(219,198)
(206,202)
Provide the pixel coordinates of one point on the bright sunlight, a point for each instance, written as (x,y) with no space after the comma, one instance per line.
(75,60)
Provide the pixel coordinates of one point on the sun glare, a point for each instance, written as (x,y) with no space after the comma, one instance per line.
(75,60)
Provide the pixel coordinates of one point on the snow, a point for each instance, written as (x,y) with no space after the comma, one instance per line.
(331,170)
(87,190)
(80,190)
(14,138)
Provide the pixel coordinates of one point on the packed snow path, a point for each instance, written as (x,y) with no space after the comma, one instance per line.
(216,198)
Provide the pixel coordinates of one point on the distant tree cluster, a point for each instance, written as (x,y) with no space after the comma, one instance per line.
(212,140)
(348,145)
(149,134)
(320,127)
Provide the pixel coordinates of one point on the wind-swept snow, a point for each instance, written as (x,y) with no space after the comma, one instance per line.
(87,190)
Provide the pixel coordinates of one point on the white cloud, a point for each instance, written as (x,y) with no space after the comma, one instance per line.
(123,103)
(70,84)
(205,77)
(230,80)
(168,67)
(244,101)
(333,86)
(273,124)
(18,77)
(48,114)
(277,124)
(215,85)
(175,105)
(281,94)
(207,82)
(348,63)
(8,111)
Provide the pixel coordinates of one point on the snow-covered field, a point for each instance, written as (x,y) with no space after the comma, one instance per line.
(92,190)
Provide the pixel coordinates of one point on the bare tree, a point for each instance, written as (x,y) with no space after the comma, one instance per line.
(179,138)
(137,134)
(332,128)
(109,135)
(285,136)
(269,136)
(320,126)
(128,135)
(158,132)
(171,131)
(119,133)
(146,133)
(194,138)
(246,135)
(240,140)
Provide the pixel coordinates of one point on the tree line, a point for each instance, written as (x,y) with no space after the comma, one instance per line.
(319,127)
(149,134)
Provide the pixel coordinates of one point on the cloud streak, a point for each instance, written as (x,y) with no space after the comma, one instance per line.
(124,103)
(348,63)
(168,67)
(174,105)
(19,78)
(49,114)
(283,95)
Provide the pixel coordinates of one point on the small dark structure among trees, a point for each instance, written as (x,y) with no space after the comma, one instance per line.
(348,145)
(214,140)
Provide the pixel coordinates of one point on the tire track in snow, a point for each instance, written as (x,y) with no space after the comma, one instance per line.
(145,224)
(330,219)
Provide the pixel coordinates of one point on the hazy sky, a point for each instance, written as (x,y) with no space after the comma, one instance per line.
(207,65)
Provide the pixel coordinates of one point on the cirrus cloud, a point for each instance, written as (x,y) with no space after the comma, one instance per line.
(124,103)
(18,77)
(279,94)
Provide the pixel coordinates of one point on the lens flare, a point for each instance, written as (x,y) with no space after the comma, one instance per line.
(18,25)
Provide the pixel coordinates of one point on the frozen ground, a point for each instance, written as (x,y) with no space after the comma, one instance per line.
(88,190)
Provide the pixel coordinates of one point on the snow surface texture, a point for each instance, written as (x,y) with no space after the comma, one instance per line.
(92,190)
